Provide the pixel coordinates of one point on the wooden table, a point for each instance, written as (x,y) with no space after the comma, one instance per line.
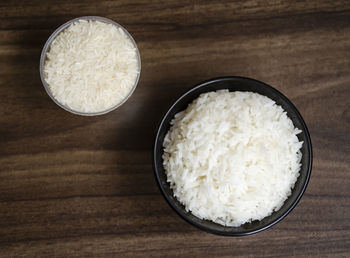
(84,186)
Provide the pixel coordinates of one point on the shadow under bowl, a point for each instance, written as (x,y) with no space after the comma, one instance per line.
(234,84)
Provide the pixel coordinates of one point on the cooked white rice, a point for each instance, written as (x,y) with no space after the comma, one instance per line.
(232,157)
(91,66)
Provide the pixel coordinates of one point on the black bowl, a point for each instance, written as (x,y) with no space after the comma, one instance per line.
(234,84)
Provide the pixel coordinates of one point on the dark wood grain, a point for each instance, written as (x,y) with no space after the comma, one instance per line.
(84,186)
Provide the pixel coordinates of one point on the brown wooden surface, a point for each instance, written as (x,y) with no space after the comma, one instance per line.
(84,186)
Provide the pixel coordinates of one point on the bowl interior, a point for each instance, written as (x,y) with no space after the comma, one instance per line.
(234,84)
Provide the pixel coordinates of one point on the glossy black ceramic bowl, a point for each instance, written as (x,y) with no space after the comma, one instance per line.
(234,84)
